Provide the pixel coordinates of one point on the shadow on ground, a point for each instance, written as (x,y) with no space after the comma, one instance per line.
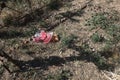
(41,14)
(35,15)
(45,63)
(10,34)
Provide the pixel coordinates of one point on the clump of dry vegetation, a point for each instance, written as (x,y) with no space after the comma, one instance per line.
(109,23)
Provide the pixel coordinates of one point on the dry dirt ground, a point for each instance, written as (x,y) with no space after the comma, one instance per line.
(55,61)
